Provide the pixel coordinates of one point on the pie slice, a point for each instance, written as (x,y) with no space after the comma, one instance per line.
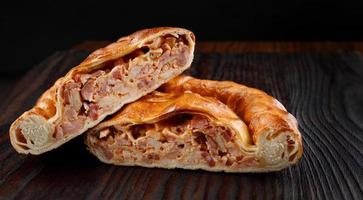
(200,124)
(110,77)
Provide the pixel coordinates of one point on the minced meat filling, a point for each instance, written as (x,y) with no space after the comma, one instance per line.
(184,137)
(88,96)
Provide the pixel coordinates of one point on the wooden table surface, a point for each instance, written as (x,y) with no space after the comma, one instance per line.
(320,83)
(253,47)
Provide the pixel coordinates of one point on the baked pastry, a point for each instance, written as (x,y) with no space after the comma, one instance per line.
(109,78)
(200,124)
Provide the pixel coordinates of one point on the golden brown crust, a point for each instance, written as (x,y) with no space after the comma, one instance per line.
(49,107)
(271,142)
(157,106)
(125,45)
(257,109)
(261,112)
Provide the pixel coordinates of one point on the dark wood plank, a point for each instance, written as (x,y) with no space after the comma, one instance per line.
(252,47)
(277,47)
(324,92)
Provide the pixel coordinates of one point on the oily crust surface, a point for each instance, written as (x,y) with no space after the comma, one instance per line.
(263,135)
(48,108)
(257,109)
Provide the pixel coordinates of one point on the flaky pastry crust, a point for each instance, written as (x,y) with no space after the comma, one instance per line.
(106,80)
(200,124)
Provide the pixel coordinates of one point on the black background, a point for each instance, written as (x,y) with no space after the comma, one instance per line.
(31,31)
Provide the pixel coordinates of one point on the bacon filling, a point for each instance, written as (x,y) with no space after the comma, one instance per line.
(188,139)
(88,96)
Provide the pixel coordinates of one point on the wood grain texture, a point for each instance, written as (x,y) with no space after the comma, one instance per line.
(252,47)
(323,91)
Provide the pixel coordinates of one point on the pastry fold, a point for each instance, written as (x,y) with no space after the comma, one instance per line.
(107,79)
(200,124)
